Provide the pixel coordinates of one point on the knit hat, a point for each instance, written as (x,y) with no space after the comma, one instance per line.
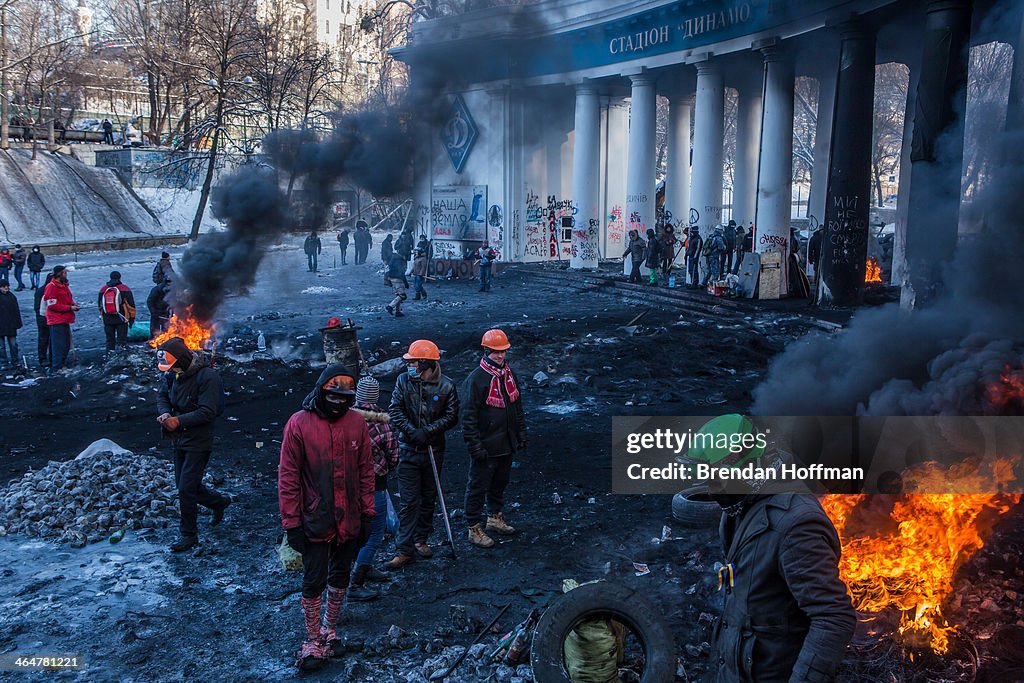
(368,390)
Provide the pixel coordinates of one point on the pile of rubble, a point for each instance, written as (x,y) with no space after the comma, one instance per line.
(477,666)
(86,499)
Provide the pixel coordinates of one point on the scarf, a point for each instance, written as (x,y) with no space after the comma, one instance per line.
(503,374)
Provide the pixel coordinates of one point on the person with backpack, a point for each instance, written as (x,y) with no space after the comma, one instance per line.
(10,323)
(117,309)
(42,329)
(36,261)
(159,308)
(714,245)
(312,246)
(163,270)
(189,402)
(60,315)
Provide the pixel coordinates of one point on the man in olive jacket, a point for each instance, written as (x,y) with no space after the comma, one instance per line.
(188,406)
(494,428)
(424,405)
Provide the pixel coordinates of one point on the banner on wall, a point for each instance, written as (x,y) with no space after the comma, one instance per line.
(458,212)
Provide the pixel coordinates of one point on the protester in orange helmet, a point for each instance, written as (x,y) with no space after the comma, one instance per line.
(424,405)
(494,427)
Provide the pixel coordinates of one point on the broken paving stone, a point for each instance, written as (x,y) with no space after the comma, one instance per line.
(539,378)
(503,673)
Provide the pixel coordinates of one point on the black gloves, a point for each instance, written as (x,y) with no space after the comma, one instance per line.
(420,437)
(297,539)
(364,529)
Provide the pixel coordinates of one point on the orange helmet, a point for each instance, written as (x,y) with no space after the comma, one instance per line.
(495,340)
(423,349)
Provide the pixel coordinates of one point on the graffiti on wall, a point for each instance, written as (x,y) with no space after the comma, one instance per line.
(534,228)
(458,212)
(584,241)
(496,229)
(615,232)
(445,249)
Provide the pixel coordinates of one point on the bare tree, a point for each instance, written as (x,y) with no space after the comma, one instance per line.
(891,82)
(987,92)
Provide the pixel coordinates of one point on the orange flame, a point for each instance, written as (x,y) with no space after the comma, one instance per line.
(195,334)
(1009,391)
(902,551)
(873,272)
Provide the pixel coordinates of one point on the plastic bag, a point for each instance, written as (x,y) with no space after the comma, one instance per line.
(392,517)
(139,331)
(291,560)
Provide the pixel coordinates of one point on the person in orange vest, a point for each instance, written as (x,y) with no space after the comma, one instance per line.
(494,428)
(424,405)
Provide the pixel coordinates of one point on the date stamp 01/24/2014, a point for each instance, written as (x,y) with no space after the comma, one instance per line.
(24,662)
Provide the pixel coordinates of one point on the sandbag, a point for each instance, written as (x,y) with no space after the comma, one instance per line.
(593,651)
(290,558)
(139,331)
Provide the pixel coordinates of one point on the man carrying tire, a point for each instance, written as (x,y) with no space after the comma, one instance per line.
(786,613)
(494,428)
(424,405)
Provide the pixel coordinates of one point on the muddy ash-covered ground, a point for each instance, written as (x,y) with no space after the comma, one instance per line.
(230,612)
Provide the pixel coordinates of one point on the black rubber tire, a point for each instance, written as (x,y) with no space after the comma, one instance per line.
(693,508)
(624,604)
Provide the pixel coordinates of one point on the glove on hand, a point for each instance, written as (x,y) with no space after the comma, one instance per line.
(420,437)
(364,529)
(297,539)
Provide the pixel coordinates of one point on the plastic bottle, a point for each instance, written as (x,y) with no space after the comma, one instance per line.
(672,280)
(261,342)
(116,536)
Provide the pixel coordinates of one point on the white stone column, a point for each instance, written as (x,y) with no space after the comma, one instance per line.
(677,182)
(748,133)
(899,239)
(640,165)
(775,174)
(585,171)
(613,190)
(822,145)
(708,137)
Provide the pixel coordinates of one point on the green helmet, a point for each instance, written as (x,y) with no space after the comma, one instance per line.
(726,441)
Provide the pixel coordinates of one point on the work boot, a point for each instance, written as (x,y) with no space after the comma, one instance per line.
(389,309)
(332,644)
(424,551)
(218,512)
(478,538)
(417,297)
(313,654)
(399,561)
(374,575)
(184,543)
(496,522)
(357,589)
(399,314)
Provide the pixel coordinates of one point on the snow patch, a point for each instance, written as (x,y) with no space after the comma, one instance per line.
(319,290)
(561,407)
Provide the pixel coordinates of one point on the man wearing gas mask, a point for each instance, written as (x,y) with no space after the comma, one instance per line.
(188,404)
(325,486)
(424,405)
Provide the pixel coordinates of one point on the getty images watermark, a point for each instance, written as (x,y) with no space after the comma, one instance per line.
(819,454)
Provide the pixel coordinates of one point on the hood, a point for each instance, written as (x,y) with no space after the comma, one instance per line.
(113,283)
(199,361)
(309,402)
(371,414)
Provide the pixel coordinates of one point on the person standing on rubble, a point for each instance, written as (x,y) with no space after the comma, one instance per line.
(652,258)
(635,250)
(668,249)
(384,446)
(419,275)
(399,285)
(494,428)
(786,614)
(159,308)
(60,315)
(117,311)
(312,246)
(424,405)
(714,247)
(190,400)
(10,323)
(325,485)
(694,246)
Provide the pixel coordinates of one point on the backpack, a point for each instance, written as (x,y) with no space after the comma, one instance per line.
(158,274)
(112,301)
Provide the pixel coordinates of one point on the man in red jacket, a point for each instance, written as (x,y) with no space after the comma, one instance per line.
(60,313)
(325,487)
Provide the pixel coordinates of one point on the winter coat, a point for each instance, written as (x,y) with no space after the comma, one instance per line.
(668,246)
(729,237)
(363,238)
(157,304)
(741,238)
(788,617)
(748,241)
(637,249)
(6,260)
(386,250)
(38,300)
(126,298)
(325,477)
(36,261)
(194,397)
(58,304)
(416,403)
(694,244)
(19,256)
(396,269)
(403,245)
(653,257)
(343,239)
(163,271)
(423,245)
(814,247)
(714,246)
(312,245)
(10,315)
(383,442)
(419,266)
(491,432)
(485,255)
